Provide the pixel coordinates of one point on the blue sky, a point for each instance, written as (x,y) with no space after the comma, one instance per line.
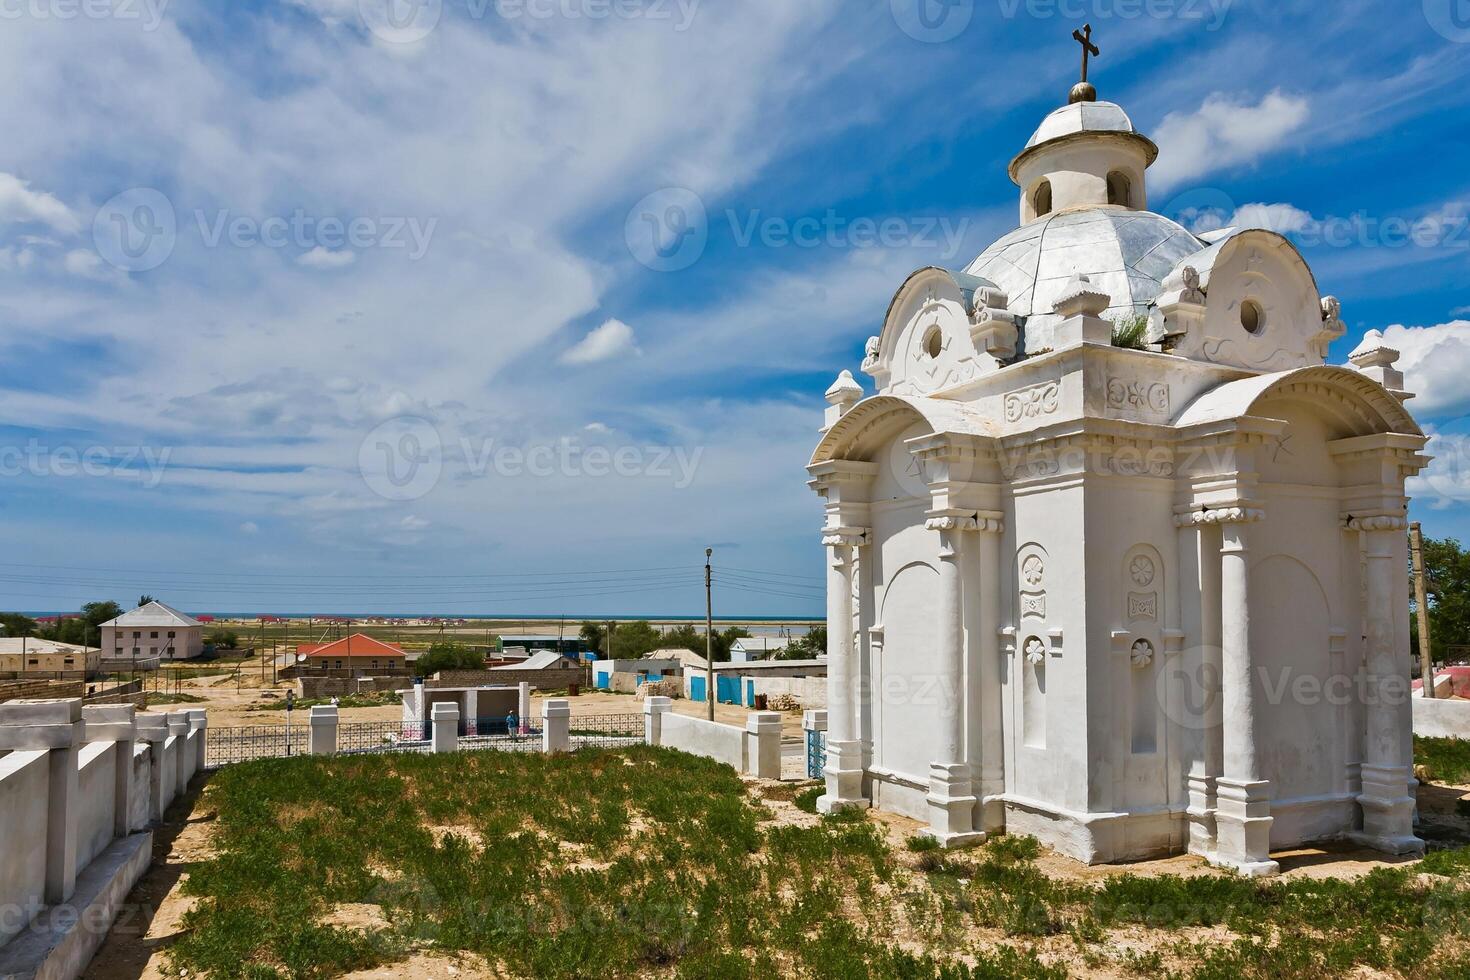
(307,308)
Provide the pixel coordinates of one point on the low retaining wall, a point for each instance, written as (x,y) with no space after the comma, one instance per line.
(1441,718)
(79,789)
(12,690)
(754,750)
(313,687)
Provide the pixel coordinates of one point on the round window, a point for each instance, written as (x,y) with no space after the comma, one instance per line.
(934,342)
(1252,317)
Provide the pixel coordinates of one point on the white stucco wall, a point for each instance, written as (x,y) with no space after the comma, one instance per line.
(1438,718)
(723,743)
(96,794)
(23,788)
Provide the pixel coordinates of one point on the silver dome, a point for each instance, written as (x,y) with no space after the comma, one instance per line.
(1127,254)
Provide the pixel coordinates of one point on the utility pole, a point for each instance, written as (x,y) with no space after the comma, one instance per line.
(709,639)
(1421,599)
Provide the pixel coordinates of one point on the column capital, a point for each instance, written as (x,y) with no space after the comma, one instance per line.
(1235,513)
(1375,522)
(845,537)
(950,519)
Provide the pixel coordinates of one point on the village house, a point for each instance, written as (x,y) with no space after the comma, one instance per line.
(152,632)
(27,657)
(1070,578)
(356,652)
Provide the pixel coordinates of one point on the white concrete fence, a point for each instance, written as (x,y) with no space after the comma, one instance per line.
(754,750)
(1441,718)
(80,788)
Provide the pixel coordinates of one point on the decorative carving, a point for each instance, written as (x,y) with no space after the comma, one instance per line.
(1140,396)
(1233,514)
(993,327)
(1033,605)
(1141,653)
(1141,569)
(1035,650)
(1033,570)
(844,537)
(1143,605)
(1079,297)
(1376,522)
(1332,326)
(951,522)
(871,351)
(1180,307)
(1038,400)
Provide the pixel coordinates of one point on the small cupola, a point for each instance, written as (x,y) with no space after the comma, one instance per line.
(1086,154)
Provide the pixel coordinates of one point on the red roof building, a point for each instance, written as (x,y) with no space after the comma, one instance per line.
(355,652)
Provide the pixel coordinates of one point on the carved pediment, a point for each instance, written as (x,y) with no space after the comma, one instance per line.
(943,329)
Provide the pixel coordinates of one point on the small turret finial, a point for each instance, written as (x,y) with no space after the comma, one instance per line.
(1084,91)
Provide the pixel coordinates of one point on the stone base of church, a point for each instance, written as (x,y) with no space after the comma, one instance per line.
(1388,811)
(844,775)
(1097,838)
(951,807)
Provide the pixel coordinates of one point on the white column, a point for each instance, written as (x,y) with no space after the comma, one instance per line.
(1199,563)
(1388,805)
(523,704)
(115,723)
(153,729)
(178,728)
(654,709)
(321,735)
(199,722)
(445,719)
(1243,798)
(951,797)
(763,744)
(844,770)
(990,814)
(556,725)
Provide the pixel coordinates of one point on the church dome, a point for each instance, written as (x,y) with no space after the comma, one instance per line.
(1125,253)
(1078,119)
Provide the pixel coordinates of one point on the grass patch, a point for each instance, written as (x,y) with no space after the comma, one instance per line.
(1445,760)
(647,862)
(370,700)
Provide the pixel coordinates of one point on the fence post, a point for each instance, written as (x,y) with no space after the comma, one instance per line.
(444,716)
(178,727)
(654,709)
(321,736)
(57,727)
(116,723)
(153,729)
(556,717)
(813,722)
(763,744)
(199,721)
(523,705)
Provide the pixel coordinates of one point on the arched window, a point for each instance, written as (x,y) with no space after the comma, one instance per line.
(1120,188)
(1041,198)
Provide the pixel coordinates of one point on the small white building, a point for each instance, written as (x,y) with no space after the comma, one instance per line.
(154,631)
(748,648)
(1131,601)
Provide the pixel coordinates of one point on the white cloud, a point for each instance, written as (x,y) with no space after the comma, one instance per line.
(1435,362)
(89,265)
(1224,133)
(411,522)
(1460,311)
(249,527)
(613,339)
(321,257)
(1281,218)
(18,203)
(597,428)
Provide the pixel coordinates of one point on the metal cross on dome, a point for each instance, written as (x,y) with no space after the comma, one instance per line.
(1084,38)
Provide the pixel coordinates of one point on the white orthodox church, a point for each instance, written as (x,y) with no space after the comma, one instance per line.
(1130,601)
